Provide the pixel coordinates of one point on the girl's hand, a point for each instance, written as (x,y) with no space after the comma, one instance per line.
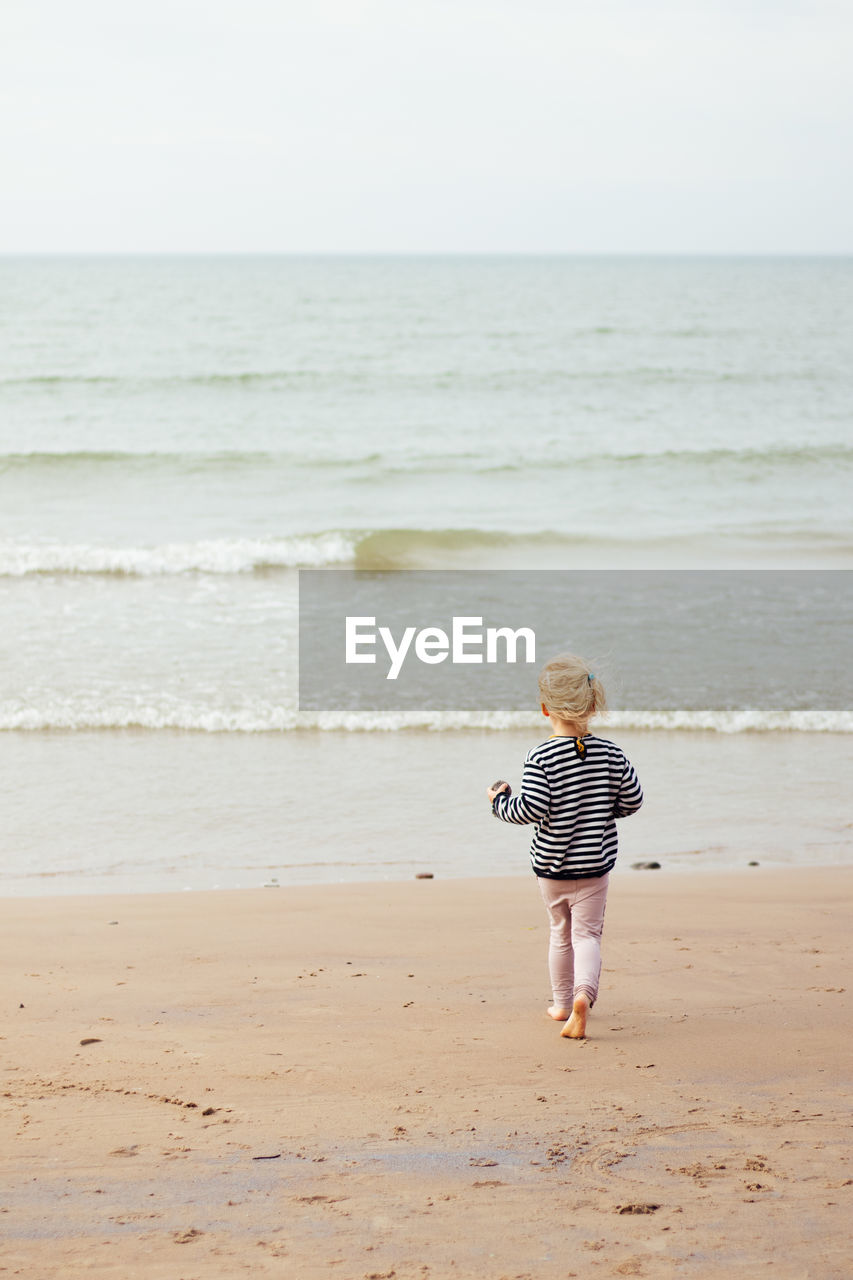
(496,789)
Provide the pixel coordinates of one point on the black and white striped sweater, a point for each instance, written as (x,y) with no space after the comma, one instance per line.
(574,789)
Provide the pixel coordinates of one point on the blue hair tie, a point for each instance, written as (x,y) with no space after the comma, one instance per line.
(590,677)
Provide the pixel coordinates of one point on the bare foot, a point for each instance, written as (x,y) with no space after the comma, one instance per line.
(558,1013)
(575,1028)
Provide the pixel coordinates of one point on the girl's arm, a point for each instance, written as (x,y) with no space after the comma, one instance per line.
(629,797)
(531,804)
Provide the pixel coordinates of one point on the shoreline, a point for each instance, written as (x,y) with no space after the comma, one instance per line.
(134,811)
(355,1080)
(679,873)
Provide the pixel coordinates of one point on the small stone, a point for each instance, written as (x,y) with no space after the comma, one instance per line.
(424,875)
(645,866)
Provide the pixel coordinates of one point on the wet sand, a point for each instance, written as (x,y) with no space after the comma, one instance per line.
(362,1081)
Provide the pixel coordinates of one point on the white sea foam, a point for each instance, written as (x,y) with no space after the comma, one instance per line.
(743,720)
(76,715)
(222,556)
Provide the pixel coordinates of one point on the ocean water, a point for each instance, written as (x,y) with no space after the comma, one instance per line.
(179,436)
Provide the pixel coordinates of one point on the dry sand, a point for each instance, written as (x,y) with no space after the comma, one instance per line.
(361,1081)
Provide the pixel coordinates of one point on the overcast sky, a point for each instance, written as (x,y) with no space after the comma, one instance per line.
(706,126)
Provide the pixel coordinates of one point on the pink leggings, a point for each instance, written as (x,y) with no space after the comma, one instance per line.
(576,912)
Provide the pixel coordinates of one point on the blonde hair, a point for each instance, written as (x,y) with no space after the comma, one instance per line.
(570,691)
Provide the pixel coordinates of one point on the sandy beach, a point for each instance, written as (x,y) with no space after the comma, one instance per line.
(361,1081)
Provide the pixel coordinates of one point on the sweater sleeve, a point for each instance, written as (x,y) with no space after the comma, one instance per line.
(533,802)
(630,794)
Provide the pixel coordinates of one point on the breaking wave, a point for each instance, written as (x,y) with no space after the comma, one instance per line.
(355,549)
(220,556)
(73,715)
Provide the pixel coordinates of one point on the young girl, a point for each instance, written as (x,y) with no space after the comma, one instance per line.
(574,787)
